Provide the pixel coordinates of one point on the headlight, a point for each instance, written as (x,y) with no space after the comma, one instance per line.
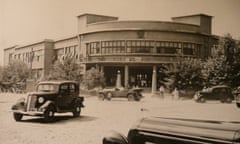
(40,99)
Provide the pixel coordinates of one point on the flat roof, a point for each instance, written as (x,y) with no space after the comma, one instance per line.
(192,15)
(84,14)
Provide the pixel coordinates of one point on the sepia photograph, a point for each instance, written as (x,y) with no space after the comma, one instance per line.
(120,72)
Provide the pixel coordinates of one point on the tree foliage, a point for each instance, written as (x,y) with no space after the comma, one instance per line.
(163,76)
(232,52)
(16,71)
(93,78)
(14,76)
(214,71)
(66,69)
(188,74)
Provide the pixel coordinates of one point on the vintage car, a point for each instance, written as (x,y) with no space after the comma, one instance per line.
(236,93)
(121,92)
(157,130)
(50,97)
(221,92)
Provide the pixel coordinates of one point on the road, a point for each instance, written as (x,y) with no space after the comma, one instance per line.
(100,117)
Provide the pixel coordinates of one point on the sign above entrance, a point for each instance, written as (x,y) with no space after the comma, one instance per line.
(133,59)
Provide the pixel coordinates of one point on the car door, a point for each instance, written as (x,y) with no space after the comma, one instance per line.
(122,92)
(64,97)
(215,94)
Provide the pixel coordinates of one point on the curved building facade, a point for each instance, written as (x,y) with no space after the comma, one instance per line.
(139,48)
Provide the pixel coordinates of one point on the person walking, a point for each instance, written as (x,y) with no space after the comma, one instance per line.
(161,90)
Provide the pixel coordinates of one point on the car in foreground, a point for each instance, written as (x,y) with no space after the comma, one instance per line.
(221,92)
(134,94)
(49,98)
(158,130)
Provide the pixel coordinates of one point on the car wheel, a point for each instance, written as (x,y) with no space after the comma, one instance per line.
(77,110)
(101,96)
(238,105)
(222,100)
(130,97)
(17,116)
(109,96)
(49,114)
(228,100)
(202,100)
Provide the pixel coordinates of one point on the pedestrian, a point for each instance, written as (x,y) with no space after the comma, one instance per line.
(161,90)
(175,94)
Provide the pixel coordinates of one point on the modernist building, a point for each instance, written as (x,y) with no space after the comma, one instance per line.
(137,49)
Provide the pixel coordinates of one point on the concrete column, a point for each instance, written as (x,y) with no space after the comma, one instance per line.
(118,81)
(101,69)
(154,80)
(126,78)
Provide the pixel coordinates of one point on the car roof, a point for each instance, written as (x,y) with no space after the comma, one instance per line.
(58,82)
(221,86)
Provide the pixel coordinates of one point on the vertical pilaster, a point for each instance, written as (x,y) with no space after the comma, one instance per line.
(126,77)
(154,80)
(101,69)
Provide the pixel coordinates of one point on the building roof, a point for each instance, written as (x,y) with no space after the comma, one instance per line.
(86,14)
(200,14)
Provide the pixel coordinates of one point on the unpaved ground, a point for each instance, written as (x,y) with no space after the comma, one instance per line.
(99,117)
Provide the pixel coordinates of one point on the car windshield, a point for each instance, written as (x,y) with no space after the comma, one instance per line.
(47,88)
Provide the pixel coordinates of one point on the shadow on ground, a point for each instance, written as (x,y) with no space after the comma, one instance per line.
(61,119)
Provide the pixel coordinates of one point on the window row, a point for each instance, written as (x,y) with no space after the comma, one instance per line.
(27,56)
(135,46)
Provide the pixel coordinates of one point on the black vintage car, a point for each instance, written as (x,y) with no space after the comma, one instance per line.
(121,92)
(236,92)
(221,92)
(157,130)
(50,97)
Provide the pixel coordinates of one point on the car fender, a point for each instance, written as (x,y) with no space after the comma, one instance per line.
(19,105)
(80,101)
(47,104)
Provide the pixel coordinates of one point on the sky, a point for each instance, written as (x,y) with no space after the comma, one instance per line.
(27,21)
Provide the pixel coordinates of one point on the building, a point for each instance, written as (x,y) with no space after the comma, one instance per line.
(135,49)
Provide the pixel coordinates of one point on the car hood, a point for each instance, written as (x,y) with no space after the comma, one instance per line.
(41,93)
(192,128)
(107,89)
(205,92)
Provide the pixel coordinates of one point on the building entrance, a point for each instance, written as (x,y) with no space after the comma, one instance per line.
(140,76)
(110,74)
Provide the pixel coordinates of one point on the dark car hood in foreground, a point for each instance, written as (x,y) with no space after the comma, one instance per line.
(196,130)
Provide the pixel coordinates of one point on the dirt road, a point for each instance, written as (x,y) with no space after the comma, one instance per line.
(99,117)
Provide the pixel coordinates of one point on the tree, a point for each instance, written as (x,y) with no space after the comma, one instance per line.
(163,76)
(14,75)
(66,69)
(232,52)
(188,74)
(93,78)
(16,71)
(214,71)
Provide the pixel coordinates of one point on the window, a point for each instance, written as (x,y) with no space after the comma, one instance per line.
(72,88)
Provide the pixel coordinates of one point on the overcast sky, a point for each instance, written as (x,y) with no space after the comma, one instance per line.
(27,21)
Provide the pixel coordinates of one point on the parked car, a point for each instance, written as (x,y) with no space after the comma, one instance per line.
(130,94)
(156,130)
(50,97)
(221,92)
(236,93)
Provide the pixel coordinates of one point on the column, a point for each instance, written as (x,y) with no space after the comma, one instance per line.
(118,81)
(101,69)
(126,77)
(154,80)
